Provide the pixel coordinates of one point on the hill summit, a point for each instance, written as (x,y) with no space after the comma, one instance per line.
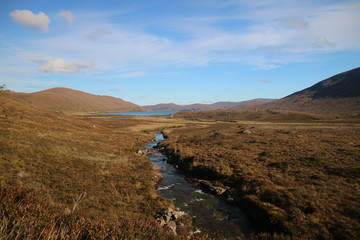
(74,101)
(343,85)
(339,94)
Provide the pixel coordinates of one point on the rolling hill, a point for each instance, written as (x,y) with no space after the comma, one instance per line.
(206,107)
(74,101)
(339,94)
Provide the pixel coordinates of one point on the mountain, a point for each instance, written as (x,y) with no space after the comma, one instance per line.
(74,101)
(339,94)
(252,103)
(206,107)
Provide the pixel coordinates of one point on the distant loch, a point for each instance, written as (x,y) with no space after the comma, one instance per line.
(152,113)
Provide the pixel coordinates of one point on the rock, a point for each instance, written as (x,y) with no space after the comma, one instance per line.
(169,217)
(178,214)
(247,132)
(218,190)
(21,174)
(172,226)
(162,222)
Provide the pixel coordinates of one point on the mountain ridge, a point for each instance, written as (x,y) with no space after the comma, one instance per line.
(206,107)
(338,94)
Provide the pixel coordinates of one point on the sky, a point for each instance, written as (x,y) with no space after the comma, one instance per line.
(184,52)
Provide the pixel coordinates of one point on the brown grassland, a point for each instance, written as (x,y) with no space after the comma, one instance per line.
(73,177)
(293,173)
(67,177)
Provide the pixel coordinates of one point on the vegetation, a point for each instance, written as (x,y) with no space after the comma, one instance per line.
(300,179)
(61,157)
(28,215)
(68,177)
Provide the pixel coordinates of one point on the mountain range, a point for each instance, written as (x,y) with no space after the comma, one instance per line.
(339,94)
(206,107)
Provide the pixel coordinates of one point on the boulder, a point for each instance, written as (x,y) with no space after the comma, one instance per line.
(169,218)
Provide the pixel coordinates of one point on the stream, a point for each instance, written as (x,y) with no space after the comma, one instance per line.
(210,214)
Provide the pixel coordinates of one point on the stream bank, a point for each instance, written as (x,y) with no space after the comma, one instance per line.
(210,214)
(230,191)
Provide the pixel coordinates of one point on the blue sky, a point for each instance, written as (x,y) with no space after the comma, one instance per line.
(189,51)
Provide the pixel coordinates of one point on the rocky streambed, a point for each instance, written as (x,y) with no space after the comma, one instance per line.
(209,213)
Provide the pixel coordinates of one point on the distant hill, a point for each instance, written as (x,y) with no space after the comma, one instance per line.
(74,101)
(339,94)
(206,107)
(253,103)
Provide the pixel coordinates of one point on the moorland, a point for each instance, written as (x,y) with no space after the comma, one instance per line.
(294,173)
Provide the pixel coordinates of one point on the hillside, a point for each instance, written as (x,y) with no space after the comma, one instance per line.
(48,160)
(74,101)
(339,94)
(206,107)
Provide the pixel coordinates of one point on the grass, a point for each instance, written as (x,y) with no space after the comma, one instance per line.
(28,215)
(68,177)
(299,179)
(62,157)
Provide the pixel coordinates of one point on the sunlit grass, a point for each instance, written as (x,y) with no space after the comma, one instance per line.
(300,179)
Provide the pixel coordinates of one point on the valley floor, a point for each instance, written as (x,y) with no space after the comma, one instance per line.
(299,178)
(68,177)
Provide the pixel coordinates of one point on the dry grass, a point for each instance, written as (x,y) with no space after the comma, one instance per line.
(301,179)
(67,177)
(28,215)
(293,177)
(62,157)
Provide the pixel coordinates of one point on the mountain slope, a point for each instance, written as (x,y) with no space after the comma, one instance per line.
(206,107)
(339,94)
(74,101)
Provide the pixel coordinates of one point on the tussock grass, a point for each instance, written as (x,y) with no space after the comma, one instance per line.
(27,214)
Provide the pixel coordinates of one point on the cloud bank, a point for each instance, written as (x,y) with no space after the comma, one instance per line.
(59,65)
(28,19)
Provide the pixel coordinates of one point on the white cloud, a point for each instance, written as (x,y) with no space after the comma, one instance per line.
(59,65)
(264,66)
(26,18)
(264,38)
(98,34)
(69,17)
(322,43)
(130,75)
(296,23)
(268,48)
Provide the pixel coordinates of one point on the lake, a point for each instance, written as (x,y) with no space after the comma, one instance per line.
(154,113)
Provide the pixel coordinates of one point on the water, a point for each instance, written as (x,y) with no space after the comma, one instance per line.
(154,113)
(210,214)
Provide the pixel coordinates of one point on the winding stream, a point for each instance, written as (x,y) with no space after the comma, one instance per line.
(210,214)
